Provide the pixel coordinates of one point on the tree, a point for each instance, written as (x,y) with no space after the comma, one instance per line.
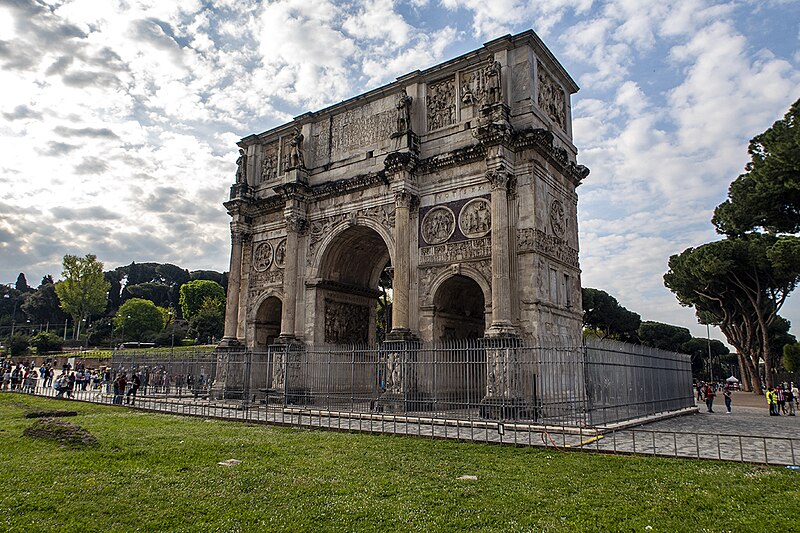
(740,285)
(209,320)
(603,313)
(767,195)
(663,336)
(699,350)
(194,293)
(158,293)
(791,357)
(140,319)
(84,291)
(43,306)
(22,284)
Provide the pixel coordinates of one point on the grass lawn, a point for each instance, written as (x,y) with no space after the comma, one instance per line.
(162,351)
(153,472)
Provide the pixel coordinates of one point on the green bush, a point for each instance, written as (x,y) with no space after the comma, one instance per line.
(18,345)
(44,342)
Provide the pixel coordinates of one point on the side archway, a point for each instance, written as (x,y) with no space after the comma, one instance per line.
(267,322)
(459,309)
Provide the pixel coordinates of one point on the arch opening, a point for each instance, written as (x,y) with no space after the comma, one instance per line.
(459,310)
(268,323)
(348,289)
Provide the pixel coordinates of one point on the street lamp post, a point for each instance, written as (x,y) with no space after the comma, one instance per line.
(172,319)
(122,340)
(710,360)
(13,313)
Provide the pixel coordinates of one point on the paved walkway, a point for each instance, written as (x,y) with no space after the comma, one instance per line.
(749,434)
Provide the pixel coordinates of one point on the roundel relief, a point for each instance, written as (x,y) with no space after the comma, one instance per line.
(475,219)
(280,254)
(438,225)
(557,220)
(262,257)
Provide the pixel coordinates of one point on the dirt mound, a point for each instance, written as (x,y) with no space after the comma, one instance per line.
(58,430)
(50,414)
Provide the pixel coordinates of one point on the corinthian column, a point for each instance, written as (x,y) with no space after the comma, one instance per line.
(501,267)
(234,284)
(402,275)
(294,225)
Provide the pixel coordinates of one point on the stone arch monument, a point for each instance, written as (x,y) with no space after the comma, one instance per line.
(459,178)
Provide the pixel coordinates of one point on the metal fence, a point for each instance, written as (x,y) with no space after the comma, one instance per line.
(594,384)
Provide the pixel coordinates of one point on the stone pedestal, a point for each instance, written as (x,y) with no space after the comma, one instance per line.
(230,354)
(504,399)
(287,384)
(398,377)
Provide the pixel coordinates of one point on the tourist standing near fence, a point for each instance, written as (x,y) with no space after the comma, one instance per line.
(709,392)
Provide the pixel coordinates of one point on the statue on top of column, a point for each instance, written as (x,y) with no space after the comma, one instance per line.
(241,167)
(296,150)
(491,72)
(403,106)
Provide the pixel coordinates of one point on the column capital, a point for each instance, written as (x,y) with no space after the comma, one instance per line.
(239,236)
(295,223)
(405,199)
(499,178)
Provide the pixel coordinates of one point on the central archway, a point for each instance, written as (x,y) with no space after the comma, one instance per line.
(347,290)
(459,310)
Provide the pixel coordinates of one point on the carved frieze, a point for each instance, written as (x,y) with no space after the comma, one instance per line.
(441,104)
(318,229)
(394,372)
(475,219)
(456,251)
(438,225)
(551,97)
(536,240)
(346,323)
(321,138)
(472,84)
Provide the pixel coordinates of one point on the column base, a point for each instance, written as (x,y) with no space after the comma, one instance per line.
(401,335)
(230,344)
(501,330)
(497,408)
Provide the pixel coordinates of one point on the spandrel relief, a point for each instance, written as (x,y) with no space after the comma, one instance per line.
(441,104)
(551,97)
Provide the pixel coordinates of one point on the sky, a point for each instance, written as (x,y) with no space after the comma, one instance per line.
(119,119)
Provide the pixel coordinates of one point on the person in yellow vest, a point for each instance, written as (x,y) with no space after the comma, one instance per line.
(772,401)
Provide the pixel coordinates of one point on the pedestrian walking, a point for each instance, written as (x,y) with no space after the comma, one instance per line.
(781,399)
(726,393)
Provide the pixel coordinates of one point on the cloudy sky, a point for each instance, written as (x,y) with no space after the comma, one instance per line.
(118,119)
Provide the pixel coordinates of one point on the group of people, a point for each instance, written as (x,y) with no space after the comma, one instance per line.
(708,391)
(783,399)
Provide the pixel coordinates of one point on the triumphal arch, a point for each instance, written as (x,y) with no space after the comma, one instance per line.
(458,181)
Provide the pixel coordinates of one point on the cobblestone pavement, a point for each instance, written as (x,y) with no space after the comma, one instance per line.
(749,434)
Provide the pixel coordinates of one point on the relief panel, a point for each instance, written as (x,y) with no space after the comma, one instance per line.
(551,97)
(441,104)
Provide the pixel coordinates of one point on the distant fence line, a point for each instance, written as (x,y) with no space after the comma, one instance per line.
(594,384)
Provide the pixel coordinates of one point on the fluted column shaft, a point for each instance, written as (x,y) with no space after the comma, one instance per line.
(288,311)
(234,284)
(501,267)
(401,281)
